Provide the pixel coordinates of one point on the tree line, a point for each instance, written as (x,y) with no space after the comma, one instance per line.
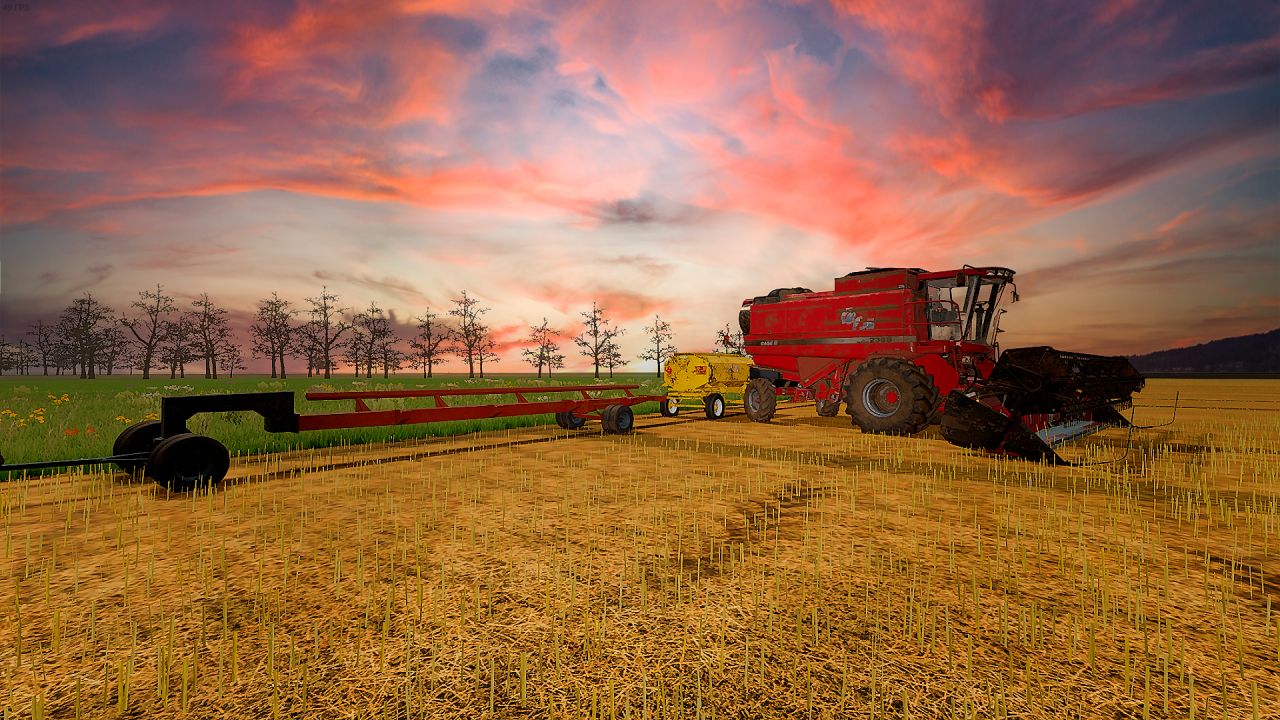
(89,339)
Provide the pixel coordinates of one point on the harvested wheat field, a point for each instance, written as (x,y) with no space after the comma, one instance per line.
(693,569)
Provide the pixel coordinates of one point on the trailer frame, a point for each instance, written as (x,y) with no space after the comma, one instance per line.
(168,452)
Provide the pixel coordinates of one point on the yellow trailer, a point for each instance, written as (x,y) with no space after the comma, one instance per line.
(706,378)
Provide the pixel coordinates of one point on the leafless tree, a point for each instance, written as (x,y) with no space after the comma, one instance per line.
(370,333)
(175,348)
(44,343)
(729,341)
(470,332)
(545,352)
(232,358)
(208,324)
(612,357)
(327,327)
(597,336)
(153,308)
(82,332)
(660,336)
(8,355)
(392,357)
(115,350)
(431,342)
(272,330)
(486,349)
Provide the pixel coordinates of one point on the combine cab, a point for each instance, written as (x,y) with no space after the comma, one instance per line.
(903,348)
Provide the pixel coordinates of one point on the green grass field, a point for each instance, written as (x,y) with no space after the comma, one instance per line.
(57,417)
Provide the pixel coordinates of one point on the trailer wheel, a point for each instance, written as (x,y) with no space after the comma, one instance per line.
(183,462)
(138,437)
(891,396)
(714,405)
(669,407)
(760,400)
(619,419)
(569,421)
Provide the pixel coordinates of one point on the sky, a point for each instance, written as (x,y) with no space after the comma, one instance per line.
(668,158)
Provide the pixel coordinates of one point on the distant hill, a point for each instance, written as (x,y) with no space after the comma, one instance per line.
(1258,353)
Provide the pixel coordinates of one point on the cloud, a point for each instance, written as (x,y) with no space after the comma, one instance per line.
(509,147)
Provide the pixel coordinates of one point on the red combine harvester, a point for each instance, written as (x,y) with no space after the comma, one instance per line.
(904,348)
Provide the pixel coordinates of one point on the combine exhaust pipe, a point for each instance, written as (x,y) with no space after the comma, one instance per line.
(1039,398)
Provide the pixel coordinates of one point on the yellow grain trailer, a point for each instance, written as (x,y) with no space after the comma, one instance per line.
(706,378)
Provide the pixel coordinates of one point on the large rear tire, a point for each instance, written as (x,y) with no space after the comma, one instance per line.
(891,396)
(186,461)
(760,400)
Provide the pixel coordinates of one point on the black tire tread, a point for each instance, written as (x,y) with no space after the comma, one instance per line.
(768,406)
(925,397)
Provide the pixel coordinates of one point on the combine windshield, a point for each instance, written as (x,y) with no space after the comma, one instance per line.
(969,311)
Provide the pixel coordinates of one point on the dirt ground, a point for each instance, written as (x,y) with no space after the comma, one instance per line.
(691,569)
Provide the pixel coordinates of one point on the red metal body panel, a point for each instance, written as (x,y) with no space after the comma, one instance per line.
(816,339)
(364,417)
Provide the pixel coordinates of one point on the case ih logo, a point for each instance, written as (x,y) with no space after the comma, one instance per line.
(850,317)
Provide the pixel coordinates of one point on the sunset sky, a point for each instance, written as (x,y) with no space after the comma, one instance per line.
(657,157)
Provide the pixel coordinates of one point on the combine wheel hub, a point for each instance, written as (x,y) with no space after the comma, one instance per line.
(891,396)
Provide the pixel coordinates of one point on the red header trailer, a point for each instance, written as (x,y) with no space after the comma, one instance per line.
(178,459)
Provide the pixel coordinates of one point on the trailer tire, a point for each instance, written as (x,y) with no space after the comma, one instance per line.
(760,400)
(138,437)
(185,461)
(623,420)
(714,406)
(669,407)
(891,396)
(569,421)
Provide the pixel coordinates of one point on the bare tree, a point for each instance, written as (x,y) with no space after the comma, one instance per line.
(232,358)
(545,352)
(306,344)
(729,341)
(44,337)
(392,357)
(612,357)
(597,336)
(327,327)
(660,336)
(7,355)
(431,341)
(115,349)
(271,332)
(82,333)
(486,349)
(470,333)
(208,324)
(153,309)
(370,332)
(175,348)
